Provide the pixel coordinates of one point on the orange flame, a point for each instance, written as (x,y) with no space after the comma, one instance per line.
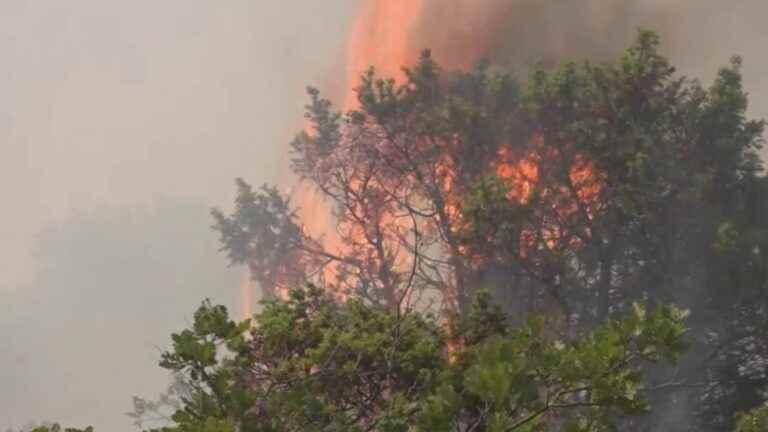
(315,215)
(586,182)
(246,296)
(521,174)
(381,37)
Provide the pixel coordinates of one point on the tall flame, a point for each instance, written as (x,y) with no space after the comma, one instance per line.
(381,37)
(386,34)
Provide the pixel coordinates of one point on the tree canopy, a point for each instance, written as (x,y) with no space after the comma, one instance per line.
(309,363)
(574,193)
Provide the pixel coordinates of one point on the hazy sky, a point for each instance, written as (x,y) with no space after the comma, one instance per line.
(121,122)
(119,100)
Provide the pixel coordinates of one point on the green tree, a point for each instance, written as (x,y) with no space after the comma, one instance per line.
(312,364)
(57,428)
(755,421)
(575,193)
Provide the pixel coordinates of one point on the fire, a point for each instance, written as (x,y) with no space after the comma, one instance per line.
(386,35)
(586,182)
(381,37)
(577,197)
(521,174)
(246,296)
(315,215)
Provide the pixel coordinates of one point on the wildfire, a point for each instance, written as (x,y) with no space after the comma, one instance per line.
(386,35)
(315,215)
(586,182)
(246,296)
(578,196)
(521,174)
(381,37)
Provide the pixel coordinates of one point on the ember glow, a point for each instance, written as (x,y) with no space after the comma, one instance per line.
(586,182)
(521,174)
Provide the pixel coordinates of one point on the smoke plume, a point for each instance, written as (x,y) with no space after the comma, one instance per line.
(698,35)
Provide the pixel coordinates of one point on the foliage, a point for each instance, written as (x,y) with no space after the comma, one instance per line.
(575,193)
(577,196)
(755,421)
(263,233)
(148,412)
(312,364)
(57,428)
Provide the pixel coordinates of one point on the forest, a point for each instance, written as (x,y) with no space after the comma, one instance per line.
(584,248)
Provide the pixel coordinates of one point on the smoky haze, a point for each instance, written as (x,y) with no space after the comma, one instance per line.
(122,122)
(698,35)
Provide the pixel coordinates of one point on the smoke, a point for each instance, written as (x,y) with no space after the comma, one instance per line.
(116,102)
(698,36)
(111,284)
(519,32)
(121,124)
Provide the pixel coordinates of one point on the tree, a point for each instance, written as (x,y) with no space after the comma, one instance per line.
(676,213)
(311,363)
(55,427)
(604,168)
(577,193)
(755,421)
(263,233)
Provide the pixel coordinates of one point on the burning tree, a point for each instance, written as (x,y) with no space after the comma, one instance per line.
(575,185)
(395,171)
(575,192)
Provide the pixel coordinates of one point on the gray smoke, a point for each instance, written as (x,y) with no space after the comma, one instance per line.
(698,35)
(106,105)
(121,123)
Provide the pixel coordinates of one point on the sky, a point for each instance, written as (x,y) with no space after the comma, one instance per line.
(122,123)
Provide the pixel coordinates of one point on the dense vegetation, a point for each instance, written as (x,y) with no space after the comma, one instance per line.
(506,251)
(312,364)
